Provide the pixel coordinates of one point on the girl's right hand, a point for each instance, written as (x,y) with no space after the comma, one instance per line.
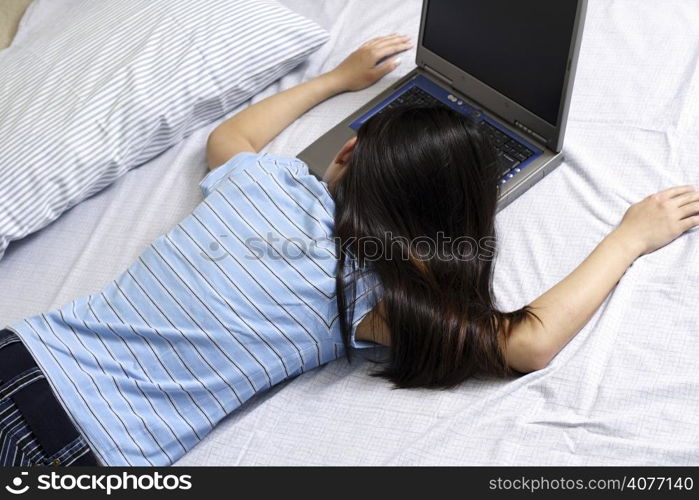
(362,69)
(659,219)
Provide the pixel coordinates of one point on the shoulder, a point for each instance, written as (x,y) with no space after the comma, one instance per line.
(283,172)
(272,191)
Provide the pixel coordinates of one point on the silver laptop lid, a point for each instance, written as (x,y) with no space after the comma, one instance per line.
(516,58)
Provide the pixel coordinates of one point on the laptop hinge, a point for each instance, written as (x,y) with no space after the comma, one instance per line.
(447,81)
(438,75)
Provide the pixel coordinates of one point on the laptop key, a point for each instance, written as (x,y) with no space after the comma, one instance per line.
(507,163)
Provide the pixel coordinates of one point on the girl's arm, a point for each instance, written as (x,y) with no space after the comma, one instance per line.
(568,306)
(253,128)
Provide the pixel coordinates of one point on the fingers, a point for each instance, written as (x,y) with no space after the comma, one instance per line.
(675,191)
(689,223)
(398,45)
(687,198)
(689,210)
(397,40)
(383,39)
(381,52)
(373,41)
(375,58)
(386,67)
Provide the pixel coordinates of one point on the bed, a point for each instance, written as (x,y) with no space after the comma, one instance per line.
(11,12)
(625,391)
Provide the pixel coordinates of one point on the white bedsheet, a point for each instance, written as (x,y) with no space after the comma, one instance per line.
(624,391)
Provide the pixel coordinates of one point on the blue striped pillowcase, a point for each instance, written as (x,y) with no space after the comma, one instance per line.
(111,85)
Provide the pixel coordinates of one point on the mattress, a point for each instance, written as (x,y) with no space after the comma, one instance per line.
(624,391)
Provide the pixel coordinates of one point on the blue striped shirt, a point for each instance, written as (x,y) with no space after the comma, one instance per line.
(238,297)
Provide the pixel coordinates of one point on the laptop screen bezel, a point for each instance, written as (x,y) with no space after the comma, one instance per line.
(493,101)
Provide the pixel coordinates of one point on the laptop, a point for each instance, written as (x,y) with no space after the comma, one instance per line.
(509,64)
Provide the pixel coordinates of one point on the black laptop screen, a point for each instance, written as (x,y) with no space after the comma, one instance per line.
(519,48)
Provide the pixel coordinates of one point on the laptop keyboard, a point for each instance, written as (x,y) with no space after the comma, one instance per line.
(510,152)
(416,96)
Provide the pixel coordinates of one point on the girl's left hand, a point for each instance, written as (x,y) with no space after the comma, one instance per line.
(361,69)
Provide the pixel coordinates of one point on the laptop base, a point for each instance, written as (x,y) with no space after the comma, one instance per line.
(319,155)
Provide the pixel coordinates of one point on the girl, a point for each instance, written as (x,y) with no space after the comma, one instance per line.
(276,273)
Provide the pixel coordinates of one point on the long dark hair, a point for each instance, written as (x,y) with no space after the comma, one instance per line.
(419,176)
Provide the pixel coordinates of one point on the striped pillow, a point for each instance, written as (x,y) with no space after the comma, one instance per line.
(111,84)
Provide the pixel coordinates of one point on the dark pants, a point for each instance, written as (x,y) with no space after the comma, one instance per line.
(34,427)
